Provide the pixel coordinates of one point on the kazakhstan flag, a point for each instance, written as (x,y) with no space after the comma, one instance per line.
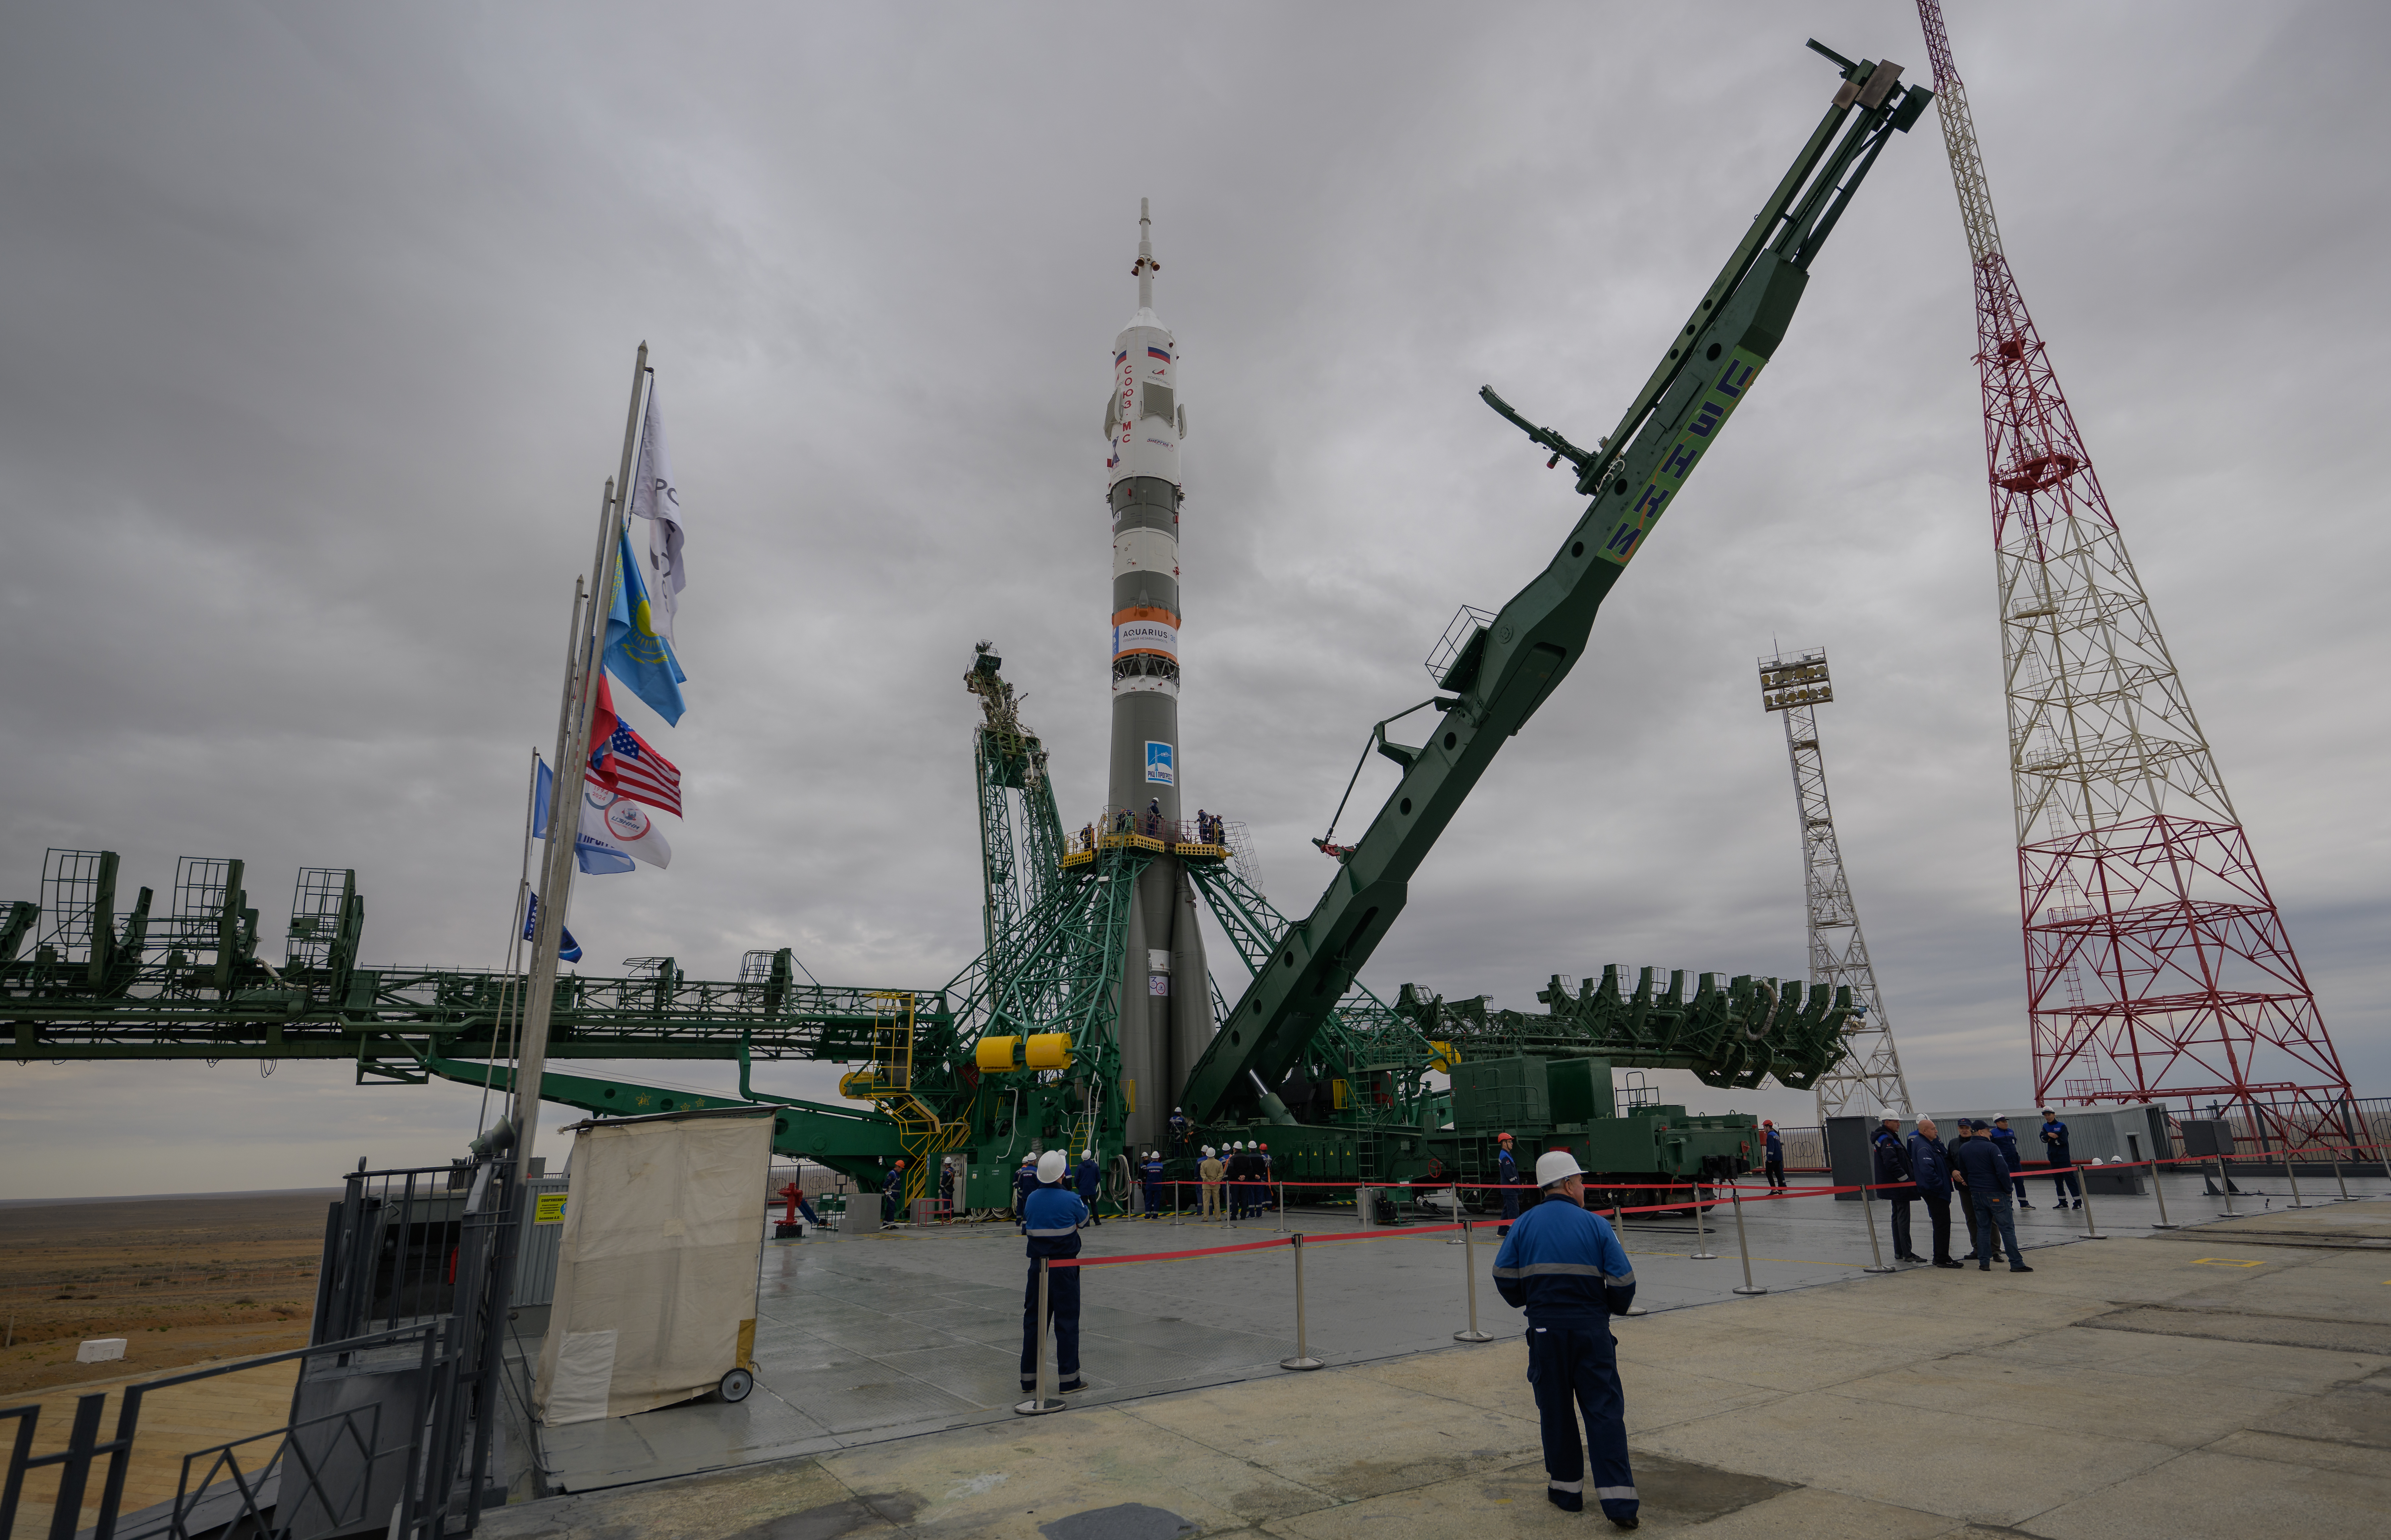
(641,659)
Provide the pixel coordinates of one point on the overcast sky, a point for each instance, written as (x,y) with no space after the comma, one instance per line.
(319,323)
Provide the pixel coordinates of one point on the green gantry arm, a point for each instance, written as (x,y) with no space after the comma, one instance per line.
(1508,666)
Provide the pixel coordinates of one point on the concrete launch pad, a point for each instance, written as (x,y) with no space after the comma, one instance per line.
(879,1335)
(2234,1380)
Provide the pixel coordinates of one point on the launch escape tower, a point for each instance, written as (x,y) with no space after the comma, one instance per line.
(2157,965)
(1869,1078)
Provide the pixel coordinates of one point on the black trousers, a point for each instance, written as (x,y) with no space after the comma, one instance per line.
(1901,1226)
(1776,1169)
(1938,1213)
(1968,1211)
(1063,1306)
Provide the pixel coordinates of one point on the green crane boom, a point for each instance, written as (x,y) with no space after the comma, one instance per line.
(1505,668)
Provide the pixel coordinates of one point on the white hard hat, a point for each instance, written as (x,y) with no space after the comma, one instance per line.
(1087,1155)
(1154,1155)
(1889,1115)
(1554,1165)
(1210,1151)
(1050,1166)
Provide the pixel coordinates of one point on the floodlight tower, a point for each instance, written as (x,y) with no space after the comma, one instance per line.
(2157,966)
(1868,1076)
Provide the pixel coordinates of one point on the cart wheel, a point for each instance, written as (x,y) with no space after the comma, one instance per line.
(735,1385)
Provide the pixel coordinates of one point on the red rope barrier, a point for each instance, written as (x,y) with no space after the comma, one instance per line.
(1167,1256)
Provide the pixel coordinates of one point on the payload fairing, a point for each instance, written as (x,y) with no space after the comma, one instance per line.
(1166,1014)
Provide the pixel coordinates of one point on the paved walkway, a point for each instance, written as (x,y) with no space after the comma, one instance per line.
(2234,1380)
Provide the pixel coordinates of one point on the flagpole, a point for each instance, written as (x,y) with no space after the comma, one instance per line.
(515,944)
(564,798)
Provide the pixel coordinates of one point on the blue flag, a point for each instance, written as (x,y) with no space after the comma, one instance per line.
(597,858)
(569,952)
(636,655)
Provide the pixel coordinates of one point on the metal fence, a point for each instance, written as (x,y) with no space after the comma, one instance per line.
(391,1418)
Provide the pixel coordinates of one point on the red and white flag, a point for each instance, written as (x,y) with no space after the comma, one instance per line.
(623,762)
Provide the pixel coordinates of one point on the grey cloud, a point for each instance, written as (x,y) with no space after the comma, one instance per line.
(317,323)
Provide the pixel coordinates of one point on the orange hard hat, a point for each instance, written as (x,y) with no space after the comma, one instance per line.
(900,1165)
(1502,1138)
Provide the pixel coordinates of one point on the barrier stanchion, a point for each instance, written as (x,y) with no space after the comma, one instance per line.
(1043,1399)
(1743,1244)
(1469,1269)
(2158,1190)
(1702,1251)
(2336,1172)
(2291,1172)
(1282,1208)
(1868,1209)
(1302,1358)
(2085,1181)
(2225,1185)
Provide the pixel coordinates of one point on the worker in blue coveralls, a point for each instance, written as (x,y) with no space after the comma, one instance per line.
(1091,1180)
(2005,1141)
(2054,1150)
(1180,1131)
(1566,1269)
(1152,1170)
(1025,1181)
(1776,1155)
(892,1193)
(1049,1218)
(1506,1172)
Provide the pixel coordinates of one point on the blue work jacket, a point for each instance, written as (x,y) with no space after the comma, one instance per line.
(1775,1146)
(2005,1141)
(1980,1161)
(1891,1160)
(1565,1267)
(1929,1166)
(1051,1217)
(1507,1168)
(1025,1181)
(1092,1177)
(2054,1142)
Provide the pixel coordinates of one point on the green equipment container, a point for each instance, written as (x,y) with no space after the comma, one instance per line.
(1502,1094)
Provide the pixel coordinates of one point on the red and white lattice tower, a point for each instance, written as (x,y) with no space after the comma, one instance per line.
(2157,967)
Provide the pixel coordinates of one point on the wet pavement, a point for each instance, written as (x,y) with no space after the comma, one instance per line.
(2228,1380)
(862,1338)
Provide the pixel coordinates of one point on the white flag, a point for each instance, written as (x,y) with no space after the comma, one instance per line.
(618,826)
(653,498)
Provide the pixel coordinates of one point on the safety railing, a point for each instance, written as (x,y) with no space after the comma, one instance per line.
(317,1474)
(417,1259)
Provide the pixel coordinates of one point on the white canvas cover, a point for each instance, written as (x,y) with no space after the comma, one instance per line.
(655,1271)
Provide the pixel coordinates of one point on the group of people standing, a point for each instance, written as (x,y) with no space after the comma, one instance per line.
(1982,1166)
(1210,829)
(1247,1173)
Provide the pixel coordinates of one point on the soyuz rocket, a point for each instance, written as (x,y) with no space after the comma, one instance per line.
(1166,1012)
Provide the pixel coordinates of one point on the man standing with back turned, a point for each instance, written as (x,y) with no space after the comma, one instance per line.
(1987,1177)
(1566,1268)
(1050,1216)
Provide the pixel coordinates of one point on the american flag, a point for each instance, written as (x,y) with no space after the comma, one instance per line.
(625,764)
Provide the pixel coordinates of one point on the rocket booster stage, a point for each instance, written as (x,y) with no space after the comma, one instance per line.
(1166,1018)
